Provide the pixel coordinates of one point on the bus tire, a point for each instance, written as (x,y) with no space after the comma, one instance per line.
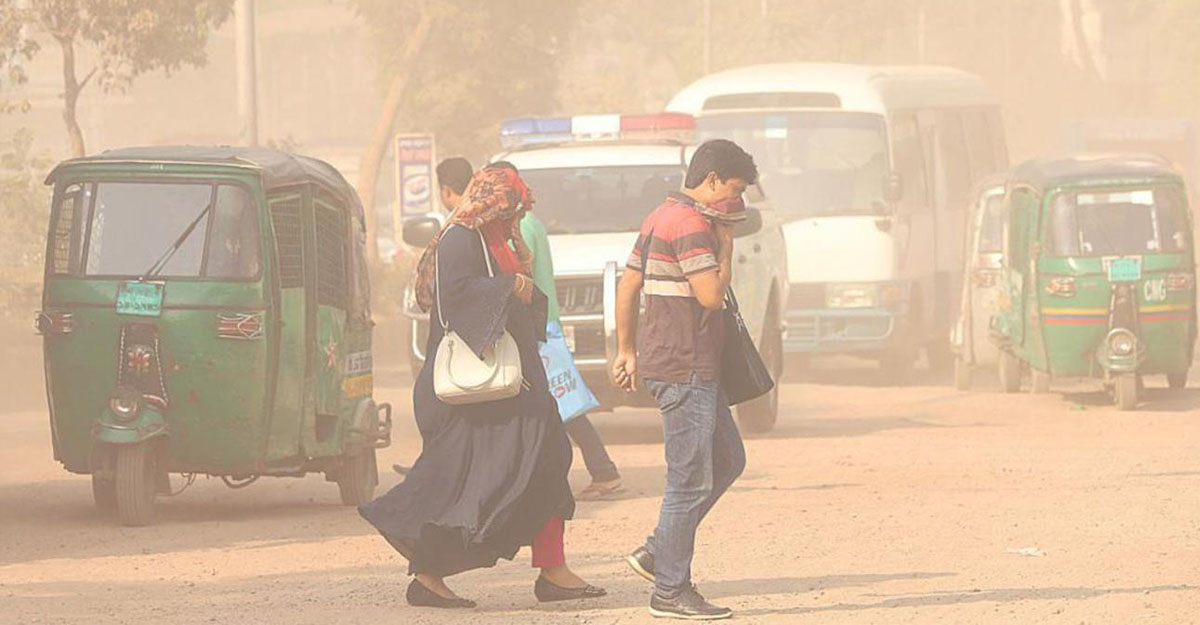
(1009,370)
(1177,379)
(1125,391)
(759,415)
(962,374)
(358,477)
(135,484)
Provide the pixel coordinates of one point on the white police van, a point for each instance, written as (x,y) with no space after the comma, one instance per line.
(595,178)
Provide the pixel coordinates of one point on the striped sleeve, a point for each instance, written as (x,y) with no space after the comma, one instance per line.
(635,256)
(695,246)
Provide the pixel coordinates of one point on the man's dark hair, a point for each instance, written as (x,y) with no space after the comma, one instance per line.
(502,165)
(726,158)
(455,173)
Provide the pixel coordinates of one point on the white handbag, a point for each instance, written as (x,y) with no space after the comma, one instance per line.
(461,377)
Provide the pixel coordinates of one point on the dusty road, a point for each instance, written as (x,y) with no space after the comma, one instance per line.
(867,505)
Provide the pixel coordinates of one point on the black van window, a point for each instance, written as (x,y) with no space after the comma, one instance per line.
(330,222)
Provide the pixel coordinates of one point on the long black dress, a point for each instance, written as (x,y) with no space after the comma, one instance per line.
(489,475)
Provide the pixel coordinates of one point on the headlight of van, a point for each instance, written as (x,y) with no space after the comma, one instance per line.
(863,295)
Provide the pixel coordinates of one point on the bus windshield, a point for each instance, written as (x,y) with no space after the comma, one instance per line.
(1107,223)
(131,228)
(811,163)
(581,200)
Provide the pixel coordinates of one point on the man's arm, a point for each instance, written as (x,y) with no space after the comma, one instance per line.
(709,286)
(629,291)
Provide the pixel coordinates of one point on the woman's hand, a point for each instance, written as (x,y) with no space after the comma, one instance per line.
(523,289)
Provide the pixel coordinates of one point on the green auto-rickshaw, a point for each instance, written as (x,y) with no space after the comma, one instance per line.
(205,311)
(1099,274)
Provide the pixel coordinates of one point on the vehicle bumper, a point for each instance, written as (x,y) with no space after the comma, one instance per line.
(833,331)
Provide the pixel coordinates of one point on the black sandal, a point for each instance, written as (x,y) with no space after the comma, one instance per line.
(547,591)
(421,597)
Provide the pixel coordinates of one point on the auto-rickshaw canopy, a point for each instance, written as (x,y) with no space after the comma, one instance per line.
(1092,169)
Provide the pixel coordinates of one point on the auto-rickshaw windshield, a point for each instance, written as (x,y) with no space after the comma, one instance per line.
(129,227)
(1148,220)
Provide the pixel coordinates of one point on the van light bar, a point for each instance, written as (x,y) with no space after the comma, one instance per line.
(525,131)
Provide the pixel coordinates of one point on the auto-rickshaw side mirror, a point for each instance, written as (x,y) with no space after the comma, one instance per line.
(893,187)
(419,231)
(750,225)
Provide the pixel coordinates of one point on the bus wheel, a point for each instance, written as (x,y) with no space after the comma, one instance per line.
(759,415)
(358,477)
(1126,391)
(1039,382)
(1177,379)
(135,484)
(1009,367)
(104,492)
(962,374)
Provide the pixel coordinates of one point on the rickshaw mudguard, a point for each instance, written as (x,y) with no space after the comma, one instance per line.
(149,424)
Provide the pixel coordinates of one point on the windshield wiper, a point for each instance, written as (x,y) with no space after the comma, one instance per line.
(170,252)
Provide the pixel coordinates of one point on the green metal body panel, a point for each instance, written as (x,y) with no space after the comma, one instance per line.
(1065,335)
(235,406)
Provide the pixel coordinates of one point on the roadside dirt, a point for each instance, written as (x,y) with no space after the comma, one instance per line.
(868,504)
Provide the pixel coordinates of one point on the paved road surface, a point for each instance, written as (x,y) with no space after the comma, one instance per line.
(868,504)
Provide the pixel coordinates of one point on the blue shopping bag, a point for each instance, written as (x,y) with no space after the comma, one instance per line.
(566,385)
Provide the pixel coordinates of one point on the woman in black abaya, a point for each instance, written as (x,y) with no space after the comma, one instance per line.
(492,477)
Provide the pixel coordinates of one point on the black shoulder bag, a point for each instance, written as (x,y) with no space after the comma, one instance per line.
(744,376)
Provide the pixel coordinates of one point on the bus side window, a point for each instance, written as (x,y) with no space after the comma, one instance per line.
(909,162)
(954,173)
(981,149)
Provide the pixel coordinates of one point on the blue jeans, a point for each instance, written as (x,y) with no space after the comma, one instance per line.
(704,456)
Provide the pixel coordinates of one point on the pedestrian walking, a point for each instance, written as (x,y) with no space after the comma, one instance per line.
(682,262)
(492,476)
(605,478)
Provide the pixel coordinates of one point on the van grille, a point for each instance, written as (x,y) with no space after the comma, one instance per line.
(289,241)
(580,296)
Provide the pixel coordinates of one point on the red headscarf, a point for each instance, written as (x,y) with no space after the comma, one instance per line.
(493,203)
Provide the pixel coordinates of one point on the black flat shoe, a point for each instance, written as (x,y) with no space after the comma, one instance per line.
(421,597)
(642,563)
(547,591)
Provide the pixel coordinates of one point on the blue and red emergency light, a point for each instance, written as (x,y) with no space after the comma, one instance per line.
(526,131)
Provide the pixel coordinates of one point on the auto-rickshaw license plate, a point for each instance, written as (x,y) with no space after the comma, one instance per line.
(1125,270)
(140,298)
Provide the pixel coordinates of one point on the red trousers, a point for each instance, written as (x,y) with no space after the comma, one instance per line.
(548,545)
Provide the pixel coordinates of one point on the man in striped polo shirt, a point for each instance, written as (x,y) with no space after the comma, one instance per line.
(682,262)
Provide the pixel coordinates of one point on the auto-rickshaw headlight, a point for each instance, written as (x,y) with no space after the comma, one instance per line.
(125,403)
(1121,342)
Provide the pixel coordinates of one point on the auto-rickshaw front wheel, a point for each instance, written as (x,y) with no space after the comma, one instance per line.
(135,483)
(358,477)
(1009,367)
(104,492)
(1125,391)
